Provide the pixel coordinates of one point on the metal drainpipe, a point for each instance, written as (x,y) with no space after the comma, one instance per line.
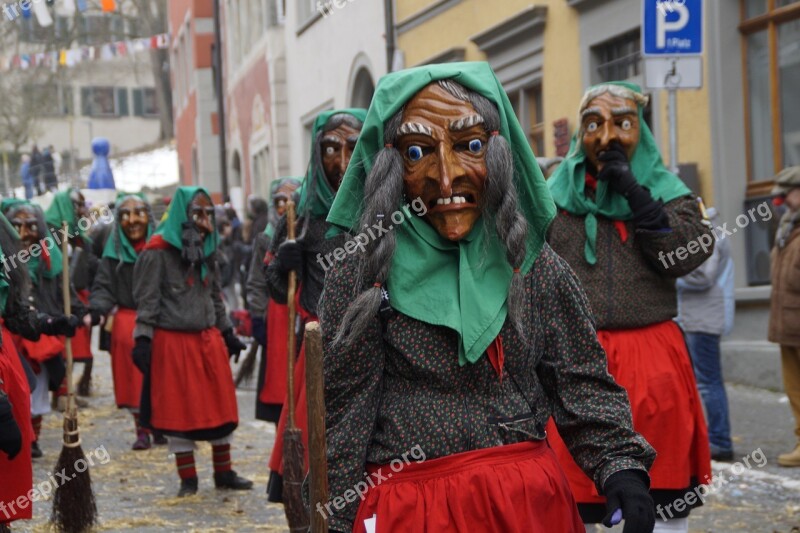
(223,149)
(390,43)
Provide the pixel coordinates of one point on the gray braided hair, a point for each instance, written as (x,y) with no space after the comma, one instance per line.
(383,192)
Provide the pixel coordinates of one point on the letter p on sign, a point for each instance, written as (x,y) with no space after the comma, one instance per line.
(662,26)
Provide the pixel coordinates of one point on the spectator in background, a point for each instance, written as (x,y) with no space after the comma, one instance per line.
(36,169)
(49,170)
(27,178)
(705,312)
(784,317)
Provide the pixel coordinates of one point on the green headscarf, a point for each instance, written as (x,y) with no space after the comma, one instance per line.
(62,210)
(569,180)
(320,204)
(170,229)
(5,288)
(460,285)
(126,253)
(269,231)
(48,242)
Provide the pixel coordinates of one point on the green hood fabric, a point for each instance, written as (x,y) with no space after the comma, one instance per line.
(61,210)
(36,265)
(126,252)
(170,228)
(4,286)
(460,285)
(269,231)
(320,204)
(569,180)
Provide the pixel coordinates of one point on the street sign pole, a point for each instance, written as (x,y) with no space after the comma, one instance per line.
(673,130)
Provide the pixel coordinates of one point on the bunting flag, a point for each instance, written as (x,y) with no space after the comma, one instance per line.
(71,57)
(108,5)
(66,8)
(42,13)
(82,5)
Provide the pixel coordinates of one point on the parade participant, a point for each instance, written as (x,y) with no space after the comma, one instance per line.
(459,332)
(112,292)
(44,353)
(784,320)
(70,206)
(16,433)
(622,219)
(270,320)
(333,139)
(183,338)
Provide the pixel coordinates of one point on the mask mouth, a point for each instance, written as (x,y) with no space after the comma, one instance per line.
(458,200)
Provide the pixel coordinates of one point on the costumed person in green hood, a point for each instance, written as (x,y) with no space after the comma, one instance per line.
(269,319)
(70,206)
(459,332)
(183,339)
(333,141)
(624,222)
(112,296)
(44,353)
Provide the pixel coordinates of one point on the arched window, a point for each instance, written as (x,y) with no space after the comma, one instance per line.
(363,89)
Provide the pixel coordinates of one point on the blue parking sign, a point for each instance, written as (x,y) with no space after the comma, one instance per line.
(672,27)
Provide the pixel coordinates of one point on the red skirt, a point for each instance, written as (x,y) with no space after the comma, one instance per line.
(16,476)
(127,378)
(274,389)
(514,489)
(39,351)
(653,365)
(191,382)
(300,415)
(82,341)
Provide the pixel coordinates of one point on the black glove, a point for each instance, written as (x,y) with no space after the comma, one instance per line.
(142,354)
(58,325)
(648,213)
(617,170)
(629,490)
(259,329)
(290,256)
(96,317)
(233,343)
(10,435)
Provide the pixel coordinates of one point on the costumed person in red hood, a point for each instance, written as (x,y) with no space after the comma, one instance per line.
(112,295)
(16,380)
(453,332)
(44,353)
(270,320)
(624,222)
(184,339)
(334,138)
(70,206)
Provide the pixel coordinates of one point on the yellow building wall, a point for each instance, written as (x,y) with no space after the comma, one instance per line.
(561,84)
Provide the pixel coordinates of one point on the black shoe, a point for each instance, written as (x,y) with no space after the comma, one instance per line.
(231,480)
(188,487)
(724,456)
(159,439)
(36,452)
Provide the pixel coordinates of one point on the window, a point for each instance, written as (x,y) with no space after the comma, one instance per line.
(305,10)
(49,100)
(527,104)
(145,102)
(619,58)
(261,172)
(104,101)
(771,43)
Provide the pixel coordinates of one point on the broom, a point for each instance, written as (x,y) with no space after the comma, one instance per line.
(74,508)
(293,459)
(248,367)
(317,448)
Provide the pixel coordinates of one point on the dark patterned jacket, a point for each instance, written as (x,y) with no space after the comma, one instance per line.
(257,288)
(633,282)
(112,285)
(401,386)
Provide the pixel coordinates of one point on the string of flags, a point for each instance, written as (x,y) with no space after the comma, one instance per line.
(41,9)
(75,56)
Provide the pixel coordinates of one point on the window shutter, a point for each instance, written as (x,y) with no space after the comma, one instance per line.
(122,102)
(86,101)
(138,104)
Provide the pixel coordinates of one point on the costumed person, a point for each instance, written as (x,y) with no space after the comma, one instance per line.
(44,353)
(101,176)
(784,319)
(333,140)
(269,319)
(458,332)
(70,206)
(622,217)
(112,295)
(183,339)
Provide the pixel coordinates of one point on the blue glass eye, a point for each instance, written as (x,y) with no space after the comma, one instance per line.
(414,153)
(475,146)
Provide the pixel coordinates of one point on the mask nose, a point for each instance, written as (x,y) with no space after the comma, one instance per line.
(449,169)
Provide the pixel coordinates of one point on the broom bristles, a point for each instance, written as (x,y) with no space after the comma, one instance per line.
(74,506)
(248,367)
